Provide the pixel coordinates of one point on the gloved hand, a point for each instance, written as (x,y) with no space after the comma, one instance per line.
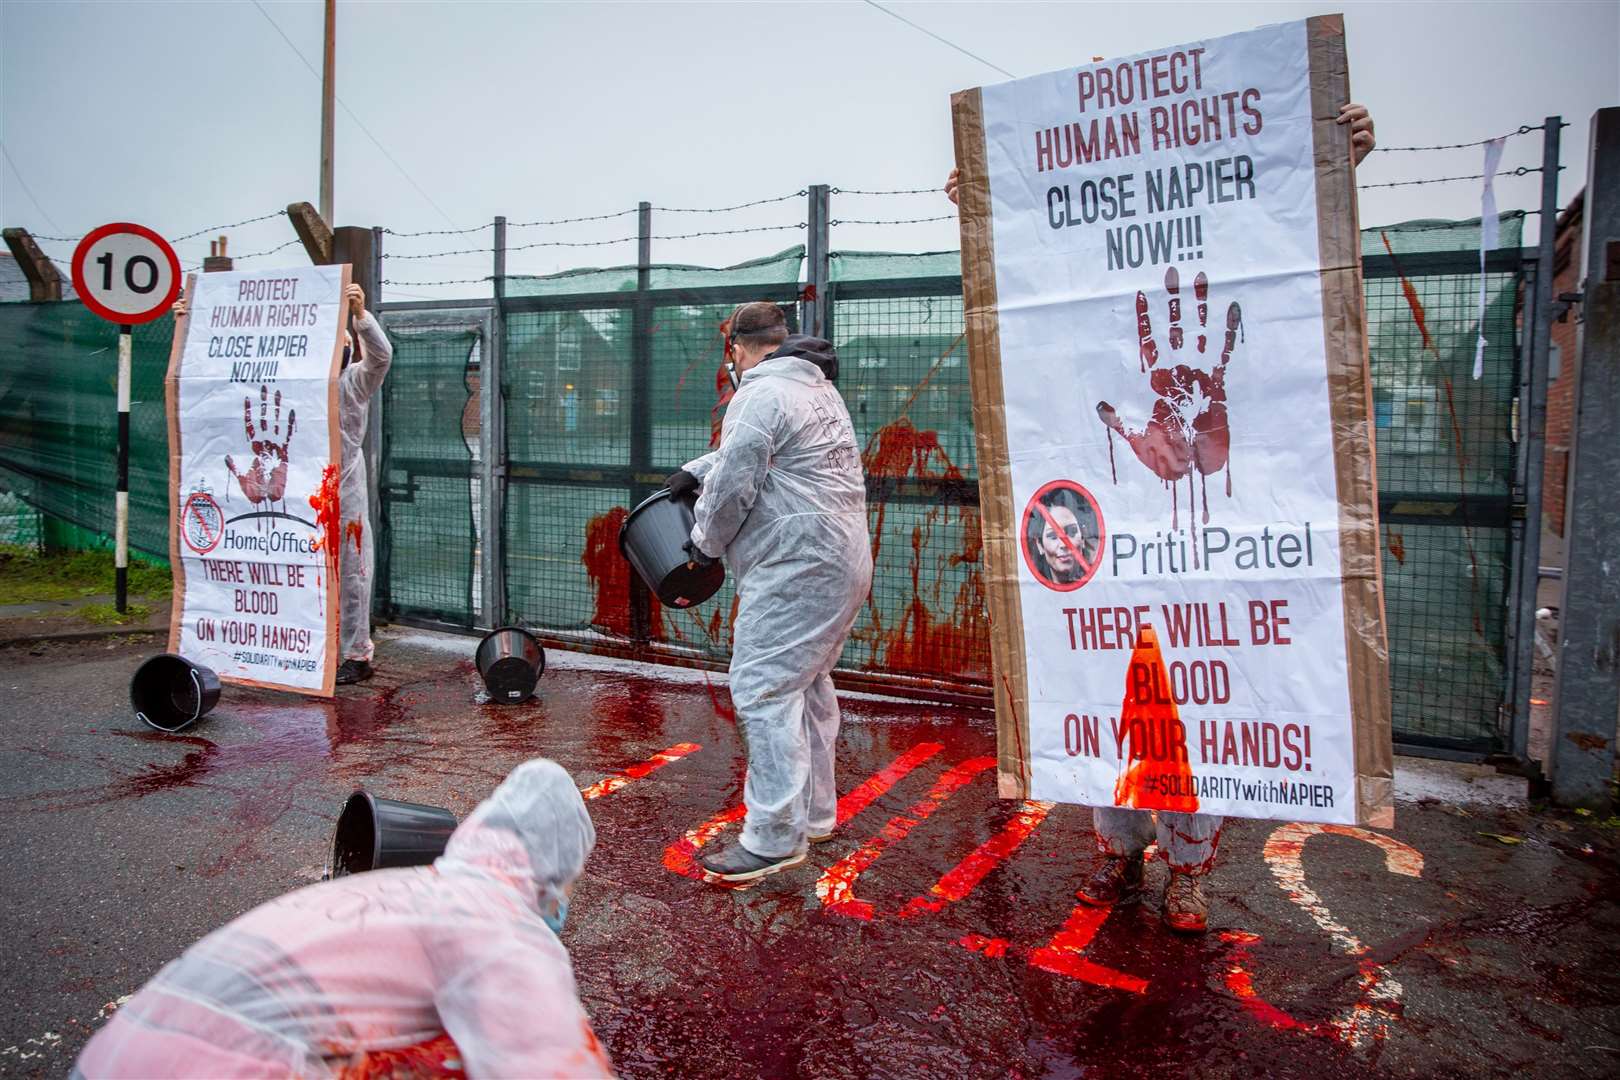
(681,482)
(694,554)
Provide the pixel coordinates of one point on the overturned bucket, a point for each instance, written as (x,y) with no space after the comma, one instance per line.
(651,540)
(374,834)
(171,693)
(510,661)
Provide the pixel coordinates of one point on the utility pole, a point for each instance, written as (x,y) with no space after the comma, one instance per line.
(328,97)
(1587,693)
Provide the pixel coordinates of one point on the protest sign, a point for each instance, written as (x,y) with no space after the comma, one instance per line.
(253,476)
(1171,394)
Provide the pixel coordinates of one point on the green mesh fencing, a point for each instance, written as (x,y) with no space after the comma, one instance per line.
(430,485)
(607,389)
(21,526)
(58,420)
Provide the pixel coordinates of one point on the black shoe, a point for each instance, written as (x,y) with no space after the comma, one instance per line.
(737,863)
(352,671)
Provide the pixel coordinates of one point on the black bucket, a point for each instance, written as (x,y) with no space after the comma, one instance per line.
(510,661)
(375,834)
(171,693)
(651,540)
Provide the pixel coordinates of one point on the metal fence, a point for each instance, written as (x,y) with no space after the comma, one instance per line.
(561,409)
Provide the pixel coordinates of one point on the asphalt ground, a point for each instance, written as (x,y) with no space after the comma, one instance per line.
(937,934)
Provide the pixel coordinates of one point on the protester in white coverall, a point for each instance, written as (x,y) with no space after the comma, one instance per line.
(783,501)
(360,378)
(317,982)
(1187,842)
(362,375)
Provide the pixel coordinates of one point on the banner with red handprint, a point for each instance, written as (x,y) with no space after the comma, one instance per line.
(1162,285)
(254,465)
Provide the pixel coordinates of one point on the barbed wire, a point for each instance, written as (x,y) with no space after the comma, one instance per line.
(1445,226)
(233,225)
(801,193)
(254,254)
(595,243)
(890,221)
(442,232)
(572,220)
(1524,129)
(890,191)
(420,284)
(1523,170)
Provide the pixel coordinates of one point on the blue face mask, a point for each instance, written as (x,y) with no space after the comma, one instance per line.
(555,920)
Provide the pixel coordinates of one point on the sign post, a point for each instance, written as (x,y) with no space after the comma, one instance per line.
(128,275)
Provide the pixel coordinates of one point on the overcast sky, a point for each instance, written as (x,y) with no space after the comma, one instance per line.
(184,115)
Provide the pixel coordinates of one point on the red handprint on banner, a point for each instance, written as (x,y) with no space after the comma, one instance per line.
(1187,430)
(265,481)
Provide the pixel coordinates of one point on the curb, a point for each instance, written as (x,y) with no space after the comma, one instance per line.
(81,635)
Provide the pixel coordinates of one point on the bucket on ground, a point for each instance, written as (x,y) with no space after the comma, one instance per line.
(171,693)
(651,540)
(510,660)
(374,834)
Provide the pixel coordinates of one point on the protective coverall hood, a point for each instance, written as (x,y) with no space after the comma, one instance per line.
(533,833)
(313,983)
(819,351)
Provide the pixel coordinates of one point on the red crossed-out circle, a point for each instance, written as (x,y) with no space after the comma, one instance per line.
(1036,507)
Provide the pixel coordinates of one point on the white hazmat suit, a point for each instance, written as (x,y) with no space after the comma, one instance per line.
(356,385)
(308,984)
(784,503)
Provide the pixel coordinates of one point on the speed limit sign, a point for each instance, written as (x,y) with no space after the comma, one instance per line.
(126,273)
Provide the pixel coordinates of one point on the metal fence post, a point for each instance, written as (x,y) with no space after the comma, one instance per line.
(641,464)
(1587,701)
(376,449)
(492,444)
(1533,444)
(814,311)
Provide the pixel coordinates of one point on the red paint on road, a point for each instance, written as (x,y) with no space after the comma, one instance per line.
(611,784)
(1063,955)
(836,889)
(957,882)
(681,856)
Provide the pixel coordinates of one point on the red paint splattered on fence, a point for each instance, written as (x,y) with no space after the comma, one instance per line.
(1155,741)
(610,577)
(920,640)
(351,531)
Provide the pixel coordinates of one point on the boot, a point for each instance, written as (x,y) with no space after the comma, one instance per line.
(1118,880)
(1185,909)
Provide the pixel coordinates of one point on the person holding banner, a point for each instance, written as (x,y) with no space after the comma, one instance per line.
(1186,841)
(784,501)
(391,972)
(365,365)
(364,368)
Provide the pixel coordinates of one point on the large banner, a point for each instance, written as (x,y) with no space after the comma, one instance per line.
(1172,401)
(253,477)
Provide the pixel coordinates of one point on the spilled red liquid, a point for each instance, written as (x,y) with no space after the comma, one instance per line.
(439,1056)
(955,643)
(610,577)
(1160,776)
(351,531)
